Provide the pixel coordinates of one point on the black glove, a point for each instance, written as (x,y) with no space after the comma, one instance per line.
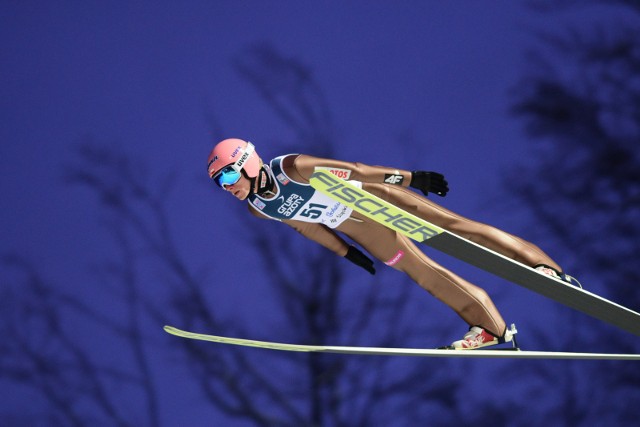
(429,182)
(358,258)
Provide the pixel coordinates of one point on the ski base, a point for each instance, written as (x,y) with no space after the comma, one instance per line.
(384,351)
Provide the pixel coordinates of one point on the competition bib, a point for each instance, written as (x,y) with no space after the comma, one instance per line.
(301,202)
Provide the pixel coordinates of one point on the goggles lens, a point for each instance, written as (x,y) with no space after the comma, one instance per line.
(227,176)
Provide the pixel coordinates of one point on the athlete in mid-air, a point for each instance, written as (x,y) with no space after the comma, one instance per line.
(280,190)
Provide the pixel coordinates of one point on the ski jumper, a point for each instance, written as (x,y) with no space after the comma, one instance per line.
(318,217)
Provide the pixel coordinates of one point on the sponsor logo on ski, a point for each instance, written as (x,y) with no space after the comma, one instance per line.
(378,211)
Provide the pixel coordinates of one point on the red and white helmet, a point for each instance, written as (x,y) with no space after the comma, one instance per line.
(237,153)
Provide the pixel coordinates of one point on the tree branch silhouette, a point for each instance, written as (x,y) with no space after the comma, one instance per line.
(580,104)
(311,291)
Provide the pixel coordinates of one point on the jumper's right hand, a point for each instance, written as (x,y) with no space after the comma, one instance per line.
(358,258)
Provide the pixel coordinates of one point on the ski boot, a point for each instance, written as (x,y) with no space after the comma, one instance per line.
(550,271)
(477,337)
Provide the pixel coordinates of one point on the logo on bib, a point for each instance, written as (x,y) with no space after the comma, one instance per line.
(283,179)
(258,203)
(290,205)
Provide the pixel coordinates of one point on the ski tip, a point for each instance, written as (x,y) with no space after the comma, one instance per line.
(169,329)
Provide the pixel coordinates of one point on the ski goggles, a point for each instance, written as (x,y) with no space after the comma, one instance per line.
(227,176)
(231,174)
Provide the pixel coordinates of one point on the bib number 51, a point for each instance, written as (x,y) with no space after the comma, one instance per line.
(313,211)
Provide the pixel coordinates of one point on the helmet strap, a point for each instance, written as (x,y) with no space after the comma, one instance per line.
(263,182)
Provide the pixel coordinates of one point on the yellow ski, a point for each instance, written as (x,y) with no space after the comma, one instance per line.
(382,351)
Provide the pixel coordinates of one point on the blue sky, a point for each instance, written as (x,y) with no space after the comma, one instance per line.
(141,76)
(415,85)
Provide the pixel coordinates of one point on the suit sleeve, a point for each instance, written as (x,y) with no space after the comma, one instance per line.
(302,167)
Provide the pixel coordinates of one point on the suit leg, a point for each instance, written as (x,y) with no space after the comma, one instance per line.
(470,302)
(488,236)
